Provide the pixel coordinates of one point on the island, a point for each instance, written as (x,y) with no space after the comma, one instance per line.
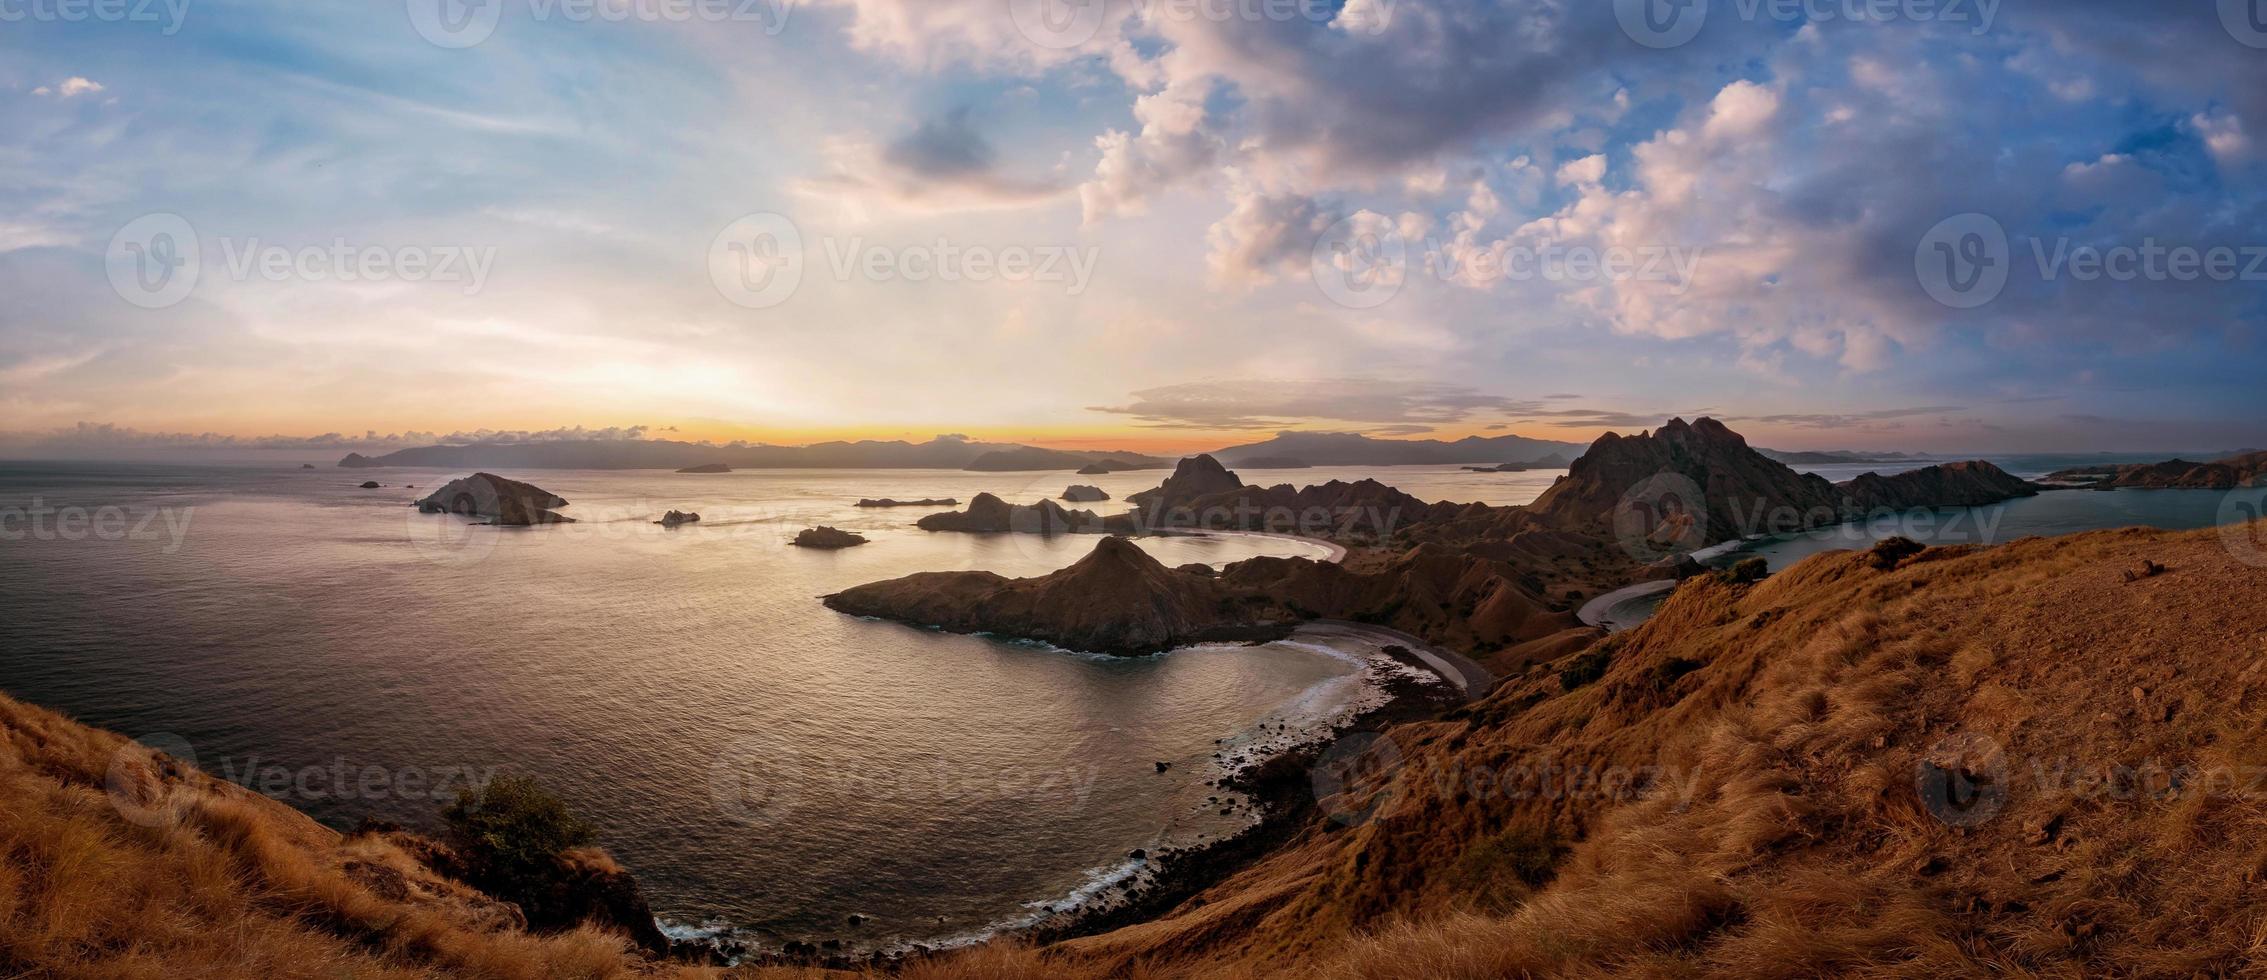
(1082,494)
(505,502)
(677,517)
(827,538)
(707,468)
(924,502)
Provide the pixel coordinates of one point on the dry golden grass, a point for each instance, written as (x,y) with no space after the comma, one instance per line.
(1783,834)
(179,875)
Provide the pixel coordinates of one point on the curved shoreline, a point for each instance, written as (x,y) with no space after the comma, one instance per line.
(1335,552)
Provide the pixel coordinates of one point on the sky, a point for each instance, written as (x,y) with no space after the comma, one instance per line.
(1155,224)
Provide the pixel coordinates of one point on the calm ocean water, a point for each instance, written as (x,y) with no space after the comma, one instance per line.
(759,760)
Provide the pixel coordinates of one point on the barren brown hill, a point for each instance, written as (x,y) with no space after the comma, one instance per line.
(1643,487)
(2008,761)
(121,862)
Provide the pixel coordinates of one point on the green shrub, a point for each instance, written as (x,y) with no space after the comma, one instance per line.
(1887,552)
(1585,669)
(511,834)
(1748,572)
(1502,869)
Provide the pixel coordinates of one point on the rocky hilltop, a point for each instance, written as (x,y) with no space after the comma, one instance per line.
(1193,477)
(2248,470)
(503,501)
(1116,600)
(1651,478)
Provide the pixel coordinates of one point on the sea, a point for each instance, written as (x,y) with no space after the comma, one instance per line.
(771,770)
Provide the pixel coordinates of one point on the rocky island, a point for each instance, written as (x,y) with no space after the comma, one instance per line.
(707,468)
(677,517)
(507,503)
(2246,470)
(1083,494)
(827,538)
(988,513)
(924,502)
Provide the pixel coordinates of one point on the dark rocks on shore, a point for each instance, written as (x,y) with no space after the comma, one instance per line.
(678,517)
(1079,493)
(707,468)
(923,502)
(828,538)
(504,502)
(370,484)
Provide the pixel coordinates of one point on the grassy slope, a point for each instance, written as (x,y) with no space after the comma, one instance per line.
(175,874)
(1779,832)
(1784,834)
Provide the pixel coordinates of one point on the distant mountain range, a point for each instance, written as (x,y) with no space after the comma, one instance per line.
(1354,449)
(1288,450)
(1835,456)
(941,453)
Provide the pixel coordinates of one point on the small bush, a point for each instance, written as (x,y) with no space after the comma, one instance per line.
(1500,870)
(1889,551)
(1585,669)
(1748,572)
(1668,672)
(512,834)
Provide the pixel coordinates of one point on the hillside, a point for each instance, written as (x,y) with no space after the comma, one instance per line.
(124,863)
(2006,761)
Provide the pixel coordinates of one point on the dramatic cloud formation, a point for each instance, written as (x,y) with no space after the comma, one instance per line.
(1489,195)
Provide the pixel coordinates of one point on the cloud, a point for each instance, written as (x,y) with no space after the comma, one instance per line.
(1848,420)
(1283,403)
(105,436)
(944,164)
(69,88)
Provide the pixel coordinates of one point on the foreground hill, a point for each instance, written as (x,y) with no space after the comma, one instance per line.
(2007,761)
(124,863)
